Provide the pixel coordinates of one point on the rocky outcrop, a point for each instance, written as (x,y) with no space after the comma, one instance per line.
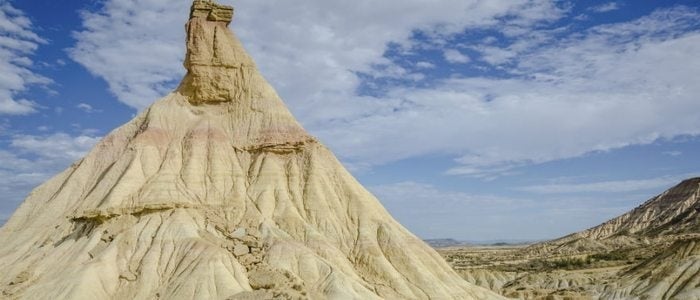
(660,235)
(492,279)
(218,68)
(215,192)
(672,274)
(673,212)
(211,11)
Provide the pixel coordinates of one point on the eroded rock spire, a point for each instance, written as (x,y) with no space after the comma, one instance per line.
(218,68)
(215,192)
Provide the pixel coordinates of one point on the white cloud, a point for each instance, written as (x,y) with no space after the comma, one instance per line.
(605,7)
(455,57)
(17,43)
(87,108)
(136,46)
(30,160)
(602,89)
(425,65)
(496,55)
(615,186)
(311,52)
(525,42)
(596,90)
(59,146)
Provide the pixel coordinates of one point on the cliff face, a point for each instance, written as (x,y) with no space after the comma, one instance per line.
(215,192)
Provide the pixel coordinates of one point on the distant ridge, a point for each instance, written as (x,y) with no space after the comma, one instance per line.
(674,211)
(442,243)
(666,226)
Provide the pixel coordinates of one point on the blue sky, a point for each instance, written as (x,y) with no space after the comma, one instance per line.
(476,120)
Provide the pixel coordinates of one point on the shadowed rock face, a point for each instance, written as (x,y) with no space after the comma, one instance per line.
(215,192)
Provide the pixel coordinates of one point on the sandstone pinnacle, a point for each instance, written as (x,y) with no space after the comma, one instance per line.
(215,192)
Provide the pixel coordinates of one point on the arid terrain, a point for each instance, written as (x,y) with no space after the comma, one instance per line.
(652,252)
(216,191)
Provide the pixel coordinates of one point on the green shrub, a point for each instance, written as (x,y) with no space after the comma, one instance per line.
(614,255)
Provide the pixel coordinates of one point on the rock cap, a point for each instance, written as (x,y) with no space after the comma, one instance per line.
(211,11)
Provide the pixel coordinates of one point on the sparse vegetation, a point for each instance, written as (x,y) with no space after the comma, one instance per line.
(610,256)
(570,263)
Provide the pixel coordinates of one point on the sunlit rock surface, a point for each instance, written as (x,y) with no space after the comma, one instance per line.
(215,192)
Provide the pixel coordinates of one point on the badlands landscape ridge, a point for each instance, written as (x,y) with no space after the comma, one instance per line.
(216,192)
(651,252)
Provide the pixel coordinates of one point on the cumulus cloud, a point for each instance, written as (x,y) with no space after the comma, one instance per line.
(17,43)
(455,56)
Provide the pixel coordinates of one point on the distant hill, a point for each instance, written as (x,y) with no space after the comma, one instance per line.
(448,242)
(442,243)
(674,212)
(665,231)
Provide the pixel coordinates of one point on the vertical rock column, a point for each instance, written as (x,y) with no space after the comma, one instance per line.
(218,69)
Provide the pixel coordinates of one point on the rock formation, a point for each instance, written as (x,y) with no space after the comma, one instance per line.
(651,252)
(673,212)
(215,192)
(666,226)
(669,218)
(672,274)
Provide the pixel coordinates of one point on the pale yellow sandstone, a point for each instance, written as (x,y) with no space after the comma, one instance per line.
(215,192)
